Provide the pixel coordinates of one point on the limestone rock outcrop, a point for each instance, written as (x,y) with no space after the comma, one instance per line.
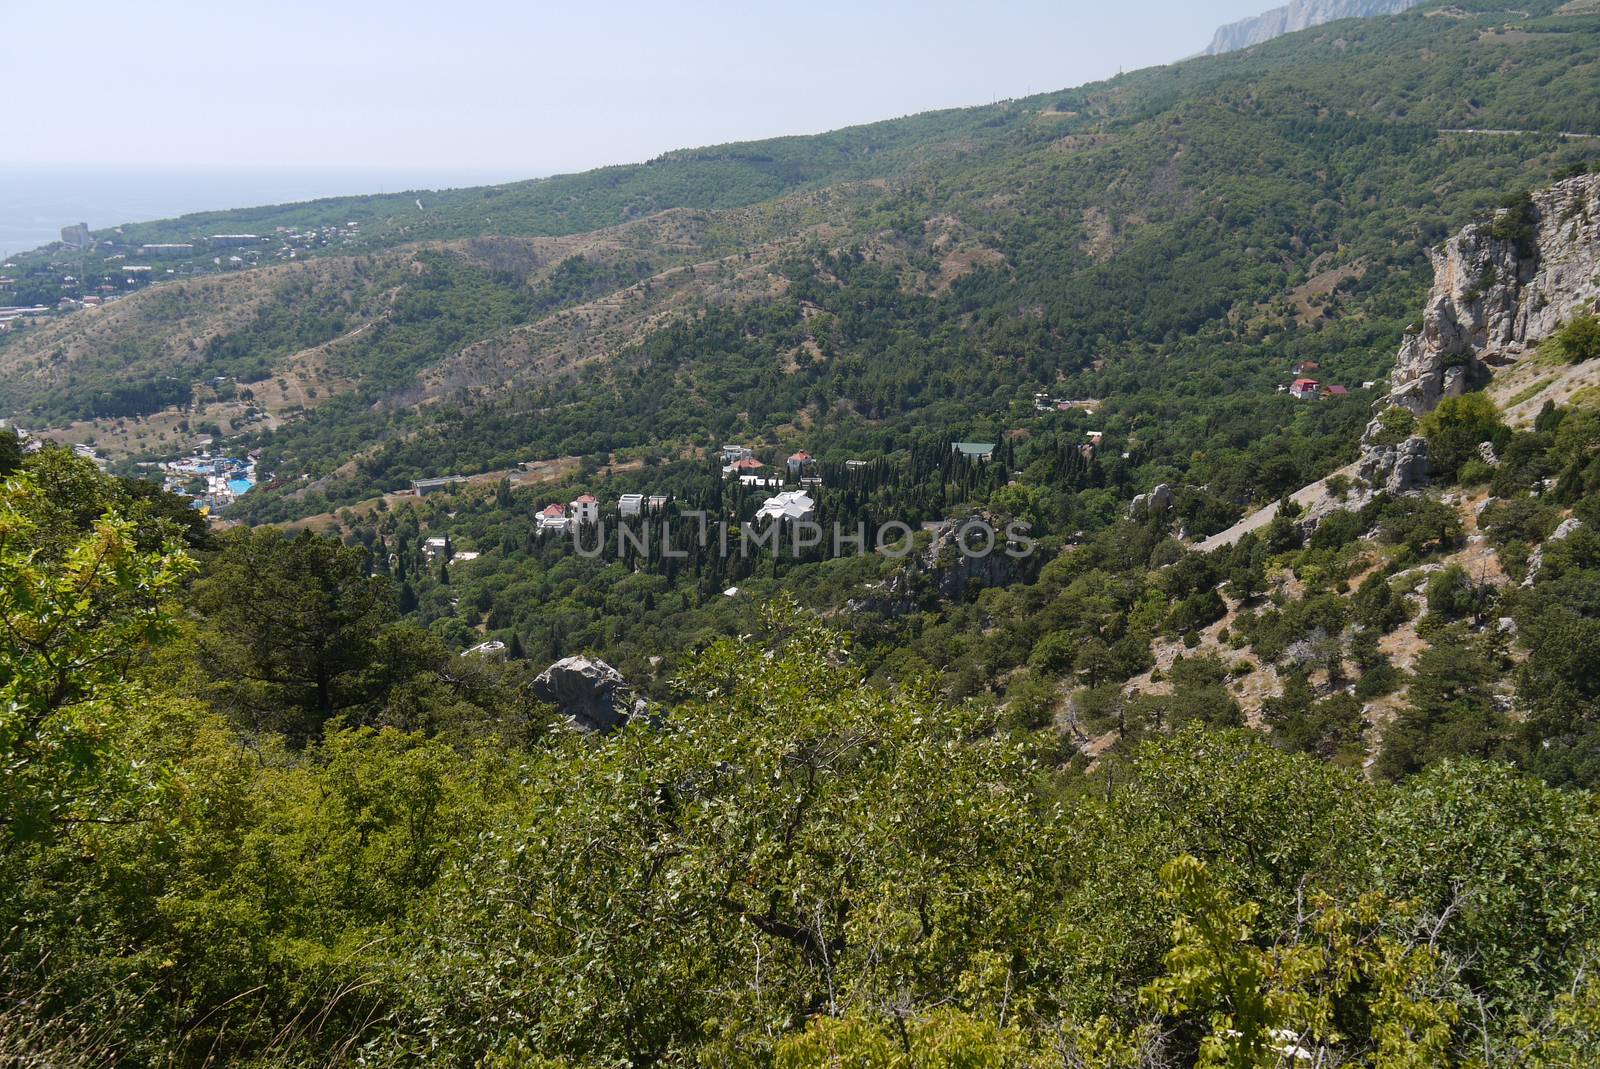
(1499,287)
(1157,501)
(1299,15)
(1396,468)
(963,553)
(592,693)
(1536,558)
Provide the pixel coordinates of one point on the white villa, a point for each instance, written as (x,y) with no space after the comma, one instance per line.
(552,518)
(791,505)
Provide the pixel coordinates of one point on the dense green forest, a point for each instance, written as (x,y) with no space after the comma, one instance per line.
(254,811)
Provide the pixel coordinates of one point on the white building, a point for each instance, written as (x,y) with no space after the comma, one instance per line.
(585,509)
(630,504)
(552,518)
(791,505)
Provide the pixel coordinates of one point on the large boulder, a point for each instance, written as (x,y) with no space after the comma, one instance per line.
(1155,503)
(592,693)
(963,554)
(1536,558)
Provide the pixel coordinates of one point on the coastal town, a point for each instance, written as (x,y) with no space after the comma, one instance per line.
(211,483)
(86,269)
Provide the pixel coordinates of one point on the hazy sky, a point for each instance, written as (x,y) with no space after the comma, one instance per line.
(531,88)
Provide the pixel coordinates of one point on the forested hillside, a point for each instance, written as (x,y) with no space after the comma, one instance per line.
(251,813)
(1156,230)
(1264,732)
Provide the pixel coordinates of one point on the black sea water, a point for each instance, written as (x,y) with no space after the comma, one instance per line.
(36,201)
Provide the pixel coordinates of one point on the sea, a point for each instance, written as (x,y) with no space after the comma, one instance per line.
(37,201)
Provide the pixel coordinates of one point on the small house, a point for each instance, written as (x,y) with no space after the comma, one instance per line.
(585,509)
(742,467)
(798,462)
(552,518)
(630,504)
(1337,391)
(980,451)
(1304,389)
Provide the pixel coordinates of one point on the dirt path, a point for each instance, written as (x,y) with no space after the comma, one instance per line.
(1521,133)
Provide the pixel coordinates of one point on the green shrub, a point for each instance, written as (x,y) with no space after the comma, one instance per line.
(1579,340)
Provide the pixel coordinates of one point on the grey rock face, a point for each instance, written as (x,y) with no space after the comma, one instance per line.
(1493,297)
(591,692)
(1396,468)
(1299,15)
(1157,500)
(1568,526)
(1536,558)
(946,571)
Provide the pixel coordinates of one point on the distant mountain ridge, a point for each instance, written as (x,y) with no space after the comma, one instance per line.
(1298,15)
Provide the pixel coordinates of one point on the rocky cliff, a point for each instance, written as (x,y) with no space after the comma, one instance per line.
(946,571)
(1499,287)
(1299,15)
